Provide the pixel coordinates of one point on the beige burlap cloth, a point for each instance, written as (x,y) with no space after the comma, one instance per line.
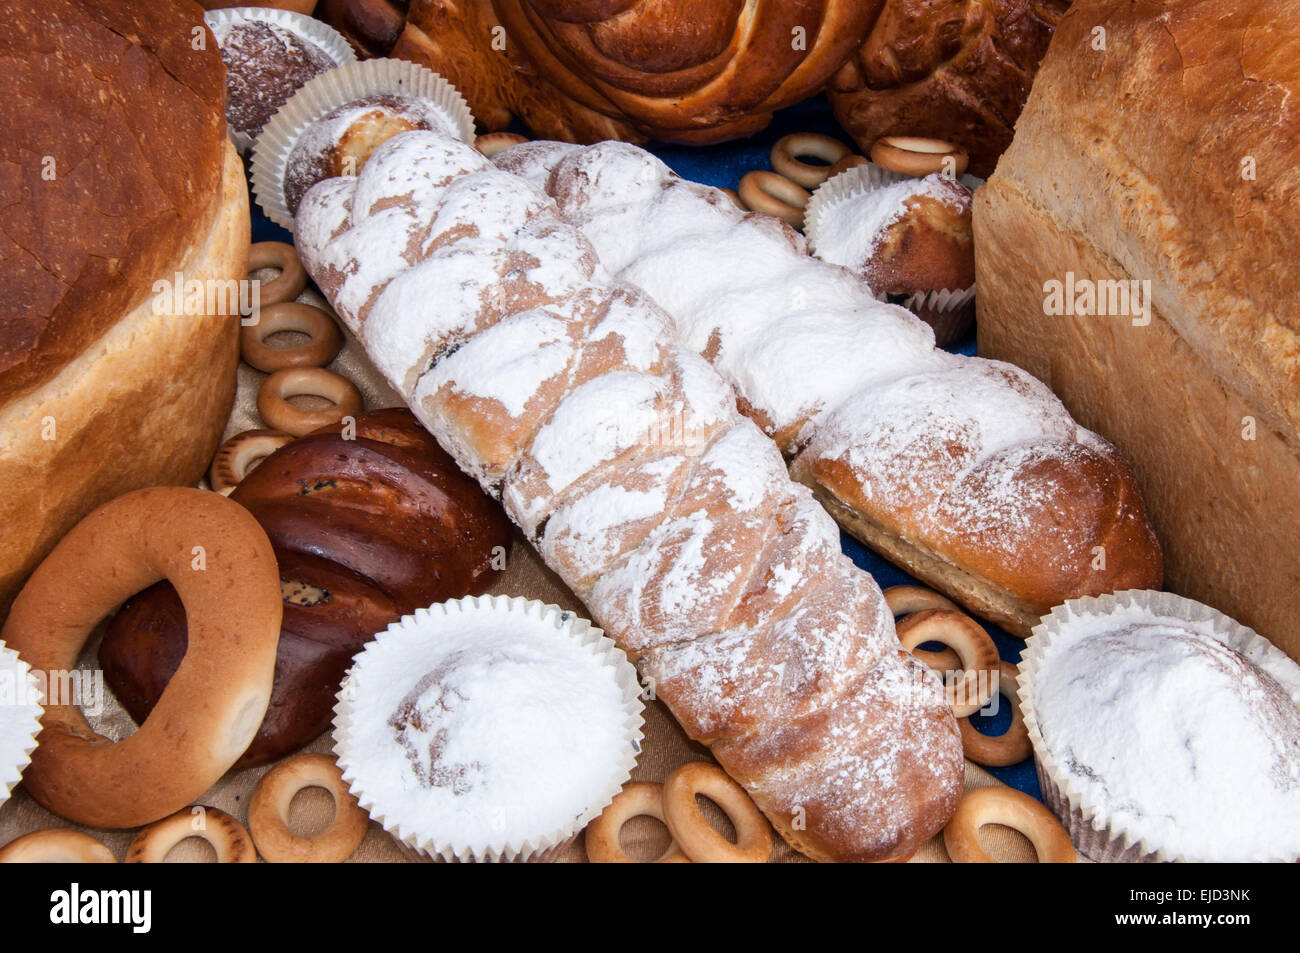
(665,745)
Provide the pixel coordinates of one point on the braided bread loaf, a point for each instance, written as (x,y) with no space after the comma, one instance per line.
(624,459)
(709,70)
(969,472)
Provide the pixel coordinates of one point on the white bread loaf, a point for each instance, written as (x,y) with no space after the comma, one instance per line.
(1171,157)
(623,457)
(117,177)
(968,472)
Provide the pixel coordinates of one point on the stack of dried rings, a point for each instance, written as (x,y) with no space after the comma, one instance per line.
(674,803)
(929,617)
(298,370)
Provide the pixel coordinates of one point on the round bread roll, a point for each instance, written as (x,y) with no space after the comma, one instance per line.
(366,528)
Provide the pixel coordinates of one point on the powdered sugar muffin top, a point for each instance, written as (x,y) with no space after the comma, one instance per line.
(1165,731)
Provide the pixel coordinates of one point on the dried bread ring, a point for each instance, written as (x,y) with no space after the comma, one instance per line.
(913,155)
(56,845)
(268,813)
(735,197)
(636,799)
(774,194)
(240,455)
(220,562)
(905,600)
(1010,747)
(974,649)
(693,833)
(226,835)
(273,399)
(490,143)
(1010,808)
(786,152)
(292,278)
(323,344)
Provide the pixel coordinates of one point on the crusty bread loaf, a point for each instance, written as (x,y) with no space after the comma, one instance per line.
(968,472)
(623,458)
(115,173)
(1155,160)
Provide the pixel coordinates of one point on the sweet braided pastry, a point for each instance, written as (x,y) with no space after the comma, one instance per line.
(969,472)
(623,458)
(708,70)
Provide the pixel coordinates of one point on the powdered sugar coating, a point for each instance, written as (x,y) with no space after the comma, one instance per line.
(833,374)
(621,453)
(1169,732)
(483,728)
(851,234)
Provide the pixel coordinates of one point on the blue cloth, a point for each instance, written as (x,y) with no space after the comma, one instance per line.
(722,165)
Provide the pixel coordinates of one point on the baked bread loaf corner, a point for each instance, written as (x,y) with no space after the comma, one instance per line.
(1136,251)
(120,180)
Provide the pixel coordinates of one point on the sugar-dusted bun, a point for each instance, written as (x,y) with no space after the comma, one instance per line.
(903,238)
(341,142)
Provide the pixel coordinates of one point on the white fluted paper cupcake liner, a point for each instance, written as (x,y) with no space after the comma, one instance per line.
(1098,837)
(424,841)
(20,718)
(316,32)
(329,91)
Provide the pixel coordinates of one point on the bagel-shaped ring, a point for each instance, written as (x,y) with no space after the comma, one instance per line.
(273,399)
(692,832)
(226,835)
(774,194)
(786,152)
(292,278)
(904,600)
(1011,808)
(636,799)
(974,649)
(219,560)
(1010,747)
(848,162)
(268,813)
(490,143)
(913,155)
(56,845)
(325,338)
(240,455)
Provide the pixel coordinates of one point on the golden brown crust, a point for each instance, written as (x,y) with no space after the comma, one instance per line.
(112,139)
(701,72)
(221,563)
(145,406)
(929,248)
(956,69)
(1204,399)
(1094,502)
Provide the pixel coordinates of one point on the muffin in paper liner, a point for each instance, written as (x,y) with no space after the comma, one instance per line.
(949,312)
(330,91)
(1101,838)
(20,718)
(419,654)
(316,32)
